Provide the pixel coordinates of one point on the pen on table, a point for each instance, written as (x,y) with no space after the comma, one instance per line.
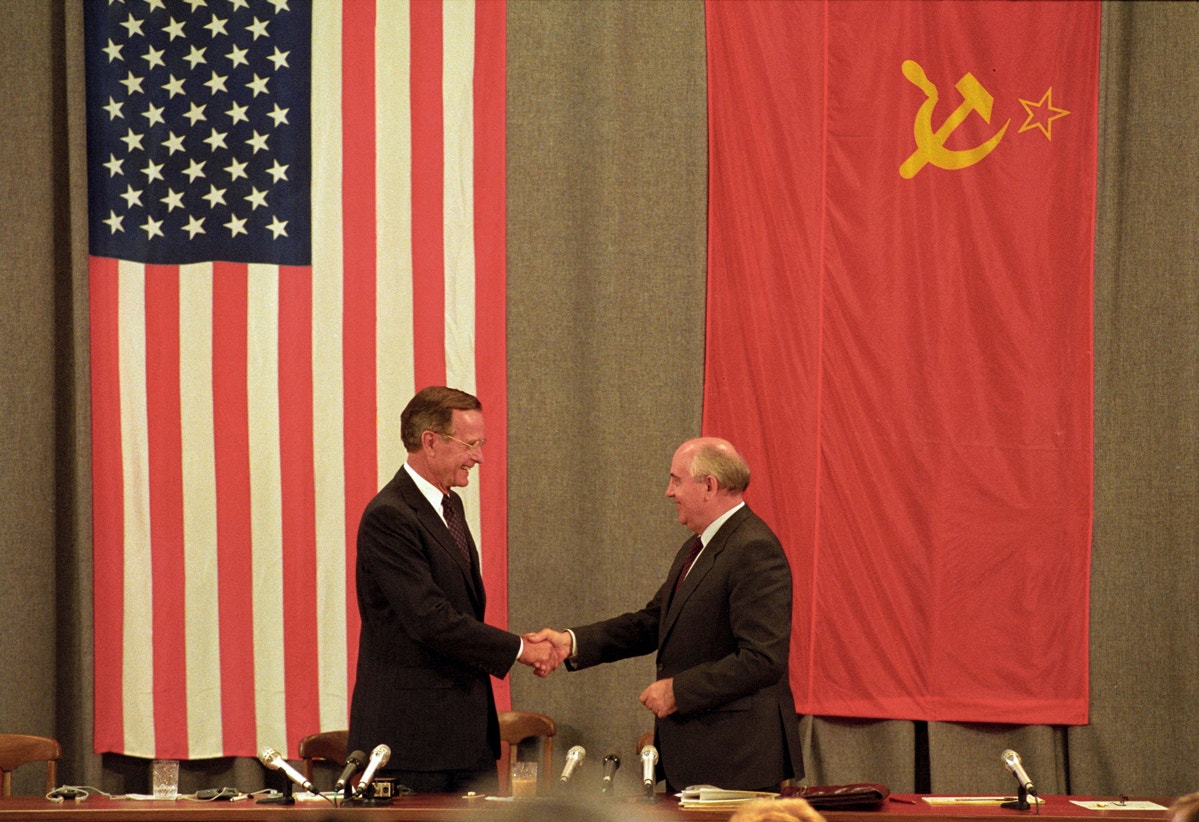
(904,801)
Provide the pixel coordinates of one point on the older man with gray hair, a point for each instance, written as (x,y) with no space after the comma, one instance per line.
(721,627)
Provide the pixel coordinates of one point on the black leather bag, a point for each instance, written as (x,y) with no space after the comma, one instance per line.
(860,797)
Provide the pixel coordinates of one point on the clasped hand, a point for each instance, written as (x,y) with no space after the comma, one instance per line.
(545,650)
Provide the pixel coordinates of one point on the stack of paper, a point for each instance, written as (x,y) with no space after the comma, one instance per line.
(709,797)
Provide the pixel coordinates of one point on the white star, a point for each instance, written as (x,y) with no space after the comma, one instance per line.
(238,4)
(257,85)
(256,198)
(194,226)
(195,113)
(153,171)
(277,171)
(280,5)
(173,86)
(257,28)
(173,200)
(216,83)
(236,169)
(237,113)
(174,28)
(174,142)
(131,197)
(278,227)
(132,84)
(196,169)
(114,223)
(257,142)
(155,4)
(132,26)
(238,57)
(235,226)
(196,56)
(153,56)
(279,58)
(195,4)
(114,166)
(152,227)
(216,26)
(132,141)
(214,196)
(153,115)
(114,109)
(279,115)
(113,51)
(216,140)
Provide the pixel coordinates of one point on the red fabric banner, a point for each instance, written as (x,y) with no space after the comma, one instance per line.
(900,340)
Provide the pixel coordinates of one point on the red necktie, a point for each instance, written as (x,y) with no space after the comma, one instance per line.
(697,545)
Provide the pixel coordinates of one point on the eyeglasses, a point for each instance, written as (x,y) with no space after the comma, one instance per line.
(471,447)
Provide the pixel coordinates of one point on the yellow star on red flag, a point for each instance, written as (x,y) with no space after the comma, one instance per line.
(1042,114)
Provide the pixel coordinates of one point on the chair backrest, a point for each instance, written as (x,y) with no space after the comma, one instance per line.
(515,728)
(329,745)
(17,749)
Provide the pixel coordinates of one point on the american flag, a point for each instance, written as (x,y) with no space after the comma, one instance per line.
(296,220)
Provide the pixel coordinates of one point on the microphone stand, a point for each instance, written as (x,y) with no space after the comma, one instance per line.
(368,798)
(1021,803)
(285,798)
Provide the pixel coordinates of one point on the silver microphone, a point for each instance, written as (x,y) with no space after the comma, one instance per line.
(1012,760)
(379,757)
(649,758)
(271,758)
(574,759)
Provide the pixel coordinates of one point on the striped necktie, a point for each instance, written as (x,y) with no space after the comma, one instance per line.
(697,545)
(451,506)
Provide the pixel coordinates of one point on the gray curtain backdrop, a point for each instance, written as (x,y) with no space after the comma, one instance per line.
(606,252)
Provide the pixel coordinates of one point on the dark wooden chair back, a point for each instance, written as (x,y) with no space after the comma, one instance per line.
(18,749)
(515,728)
(328,745)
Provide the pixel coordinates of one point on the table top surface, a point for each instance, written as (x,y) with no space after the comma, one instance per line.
(433,807)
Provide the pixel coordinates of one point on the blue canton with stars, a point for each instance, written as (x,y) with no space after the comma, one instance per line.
(198,130)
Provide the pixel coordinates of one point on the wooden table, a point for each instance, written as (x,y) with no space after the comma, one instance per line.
(447,808)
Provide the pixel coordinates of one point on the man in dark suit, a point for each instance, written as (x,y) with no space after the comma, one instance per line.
(721,627)
(425,656)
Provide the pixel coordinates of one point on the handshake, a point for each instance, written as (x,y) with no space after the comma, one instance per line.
(545,650)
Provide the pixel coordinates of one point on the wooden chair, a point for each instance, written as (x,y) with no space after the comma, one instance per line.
(329,745)
(515,728)
(17,749)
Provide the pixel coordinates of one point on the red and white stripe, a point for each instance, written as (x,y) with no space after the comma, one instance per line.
(243,415)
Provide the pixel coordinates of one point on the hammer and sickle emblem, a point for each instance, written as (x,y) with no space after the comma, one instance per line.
(930,145)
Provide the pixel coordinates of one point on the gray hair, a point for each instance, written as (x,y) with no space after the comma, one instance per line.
(720,460)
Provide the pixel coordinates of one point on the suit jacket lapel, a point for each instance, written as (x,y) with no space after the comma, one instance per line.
(695,578)
(435,525)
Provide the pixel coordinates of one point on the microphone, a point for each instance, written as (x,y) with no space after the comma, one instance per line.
(1012,760)
(353,762)
(574,758)
(379,757)
(649,758)
(611,766)
(270,757)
